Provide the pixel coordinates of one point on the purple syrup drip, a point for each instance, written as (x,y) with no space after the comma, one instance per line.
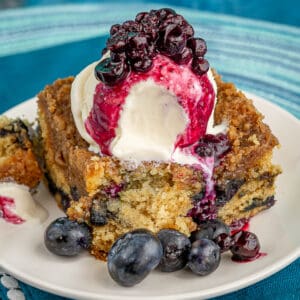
(212,149)
(237,260)
(206,209)
(239,225)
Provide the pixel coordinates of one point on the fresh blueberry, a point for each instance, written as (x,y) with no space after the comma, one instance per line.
(204,257)
(224,241)
(246,246)
(176,246)
(133,256)
(216,231)
(66,237)
(210,229)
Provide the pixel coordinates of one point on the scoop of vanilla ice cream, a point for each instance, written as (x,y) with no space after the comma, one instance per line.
(149,123)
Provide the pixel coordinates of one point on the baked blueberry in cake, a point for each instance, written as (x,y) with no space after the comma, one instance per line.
(151,137)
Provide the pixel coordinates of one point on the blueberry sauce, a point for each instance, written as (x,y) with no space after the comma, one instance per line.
(257,256)
(194,92)
(134,44)
(6,211)
(239,225)
(205,208)
(213,145)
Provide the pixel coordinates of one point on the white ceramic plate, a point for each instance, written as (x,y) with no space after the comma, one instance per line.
(23,254)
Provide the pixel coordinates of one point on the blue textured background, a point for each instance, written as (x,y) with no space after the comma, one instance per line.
(279,11)
(262,58)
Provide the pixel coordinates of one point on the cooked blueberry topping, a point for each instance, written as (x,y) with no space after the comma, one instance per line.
(111,72)
(198,46)
(183,57)
(66,237)
(176,246)
(133,256)
(142,65)
(246,246)
(200,65)
(98,212)
(133,45)
(204,257)
(172,40)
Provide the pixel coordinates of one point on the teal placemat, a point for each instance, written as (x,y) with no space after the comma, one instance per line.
(258,56)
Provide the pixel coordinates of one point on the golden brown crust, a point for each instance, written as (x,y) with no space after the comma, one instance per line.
(251,139)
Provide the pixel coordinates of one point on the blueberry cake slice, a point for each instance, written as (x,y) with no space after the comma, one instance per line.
(18,162)
(150,137)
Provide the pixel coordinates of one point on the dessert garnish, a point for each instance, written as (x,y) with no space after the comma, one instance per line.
(136,253)
(134,44)
(133,256)
(156,94)
(65,237)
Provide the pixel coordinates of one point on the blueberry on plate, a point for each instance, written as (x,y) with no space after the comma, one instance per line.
(214,230)
(133,256)
(176,246)
(204,257)
(210,230)
(246,246)
(66,237)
